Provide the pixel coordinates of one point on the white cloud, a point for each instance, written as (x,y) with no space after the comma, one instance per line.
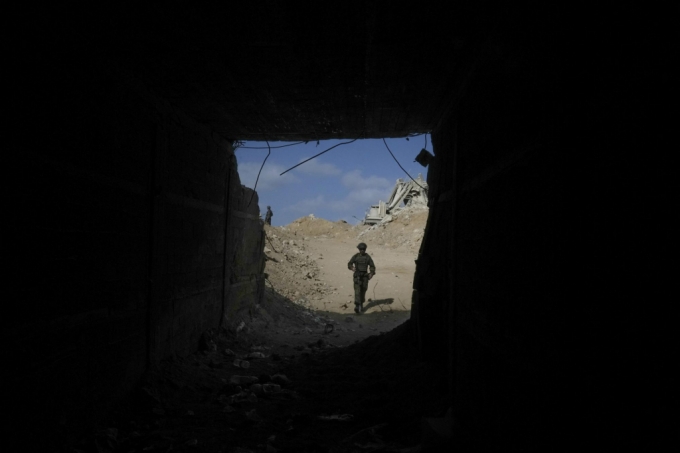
(270,178)
(354,179)
(365,191)
(316,167)
(307,206)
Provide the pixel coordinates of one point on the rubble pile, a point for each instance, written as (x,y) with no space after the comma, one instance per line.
(311,226)
(402,228)
(292,271)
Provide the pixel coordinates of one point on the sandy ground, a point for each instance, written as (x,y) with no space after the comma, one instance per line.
(391,285)
(307,264)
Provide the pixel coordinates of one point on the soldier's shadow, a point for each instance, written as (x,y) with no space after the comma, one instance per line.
(373,303)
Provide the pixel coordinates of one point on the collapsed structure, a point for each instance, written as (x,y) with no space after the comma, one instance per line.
(411,193)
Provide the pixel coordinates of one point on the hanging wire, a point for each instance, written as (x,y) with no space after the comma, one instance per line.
(258,173)
(425,141)
(270,147)
(317,155)
(395,159)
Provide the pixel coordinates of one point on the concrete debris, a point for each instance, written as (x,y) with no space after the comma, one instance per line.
(271,388)
(368,440)
(207,343)
(107,439)
(395,231)
(241,363)
(338,418)
(241,380)
(321,343)
(280,379)
(253,416)
(437,431)
(410,193)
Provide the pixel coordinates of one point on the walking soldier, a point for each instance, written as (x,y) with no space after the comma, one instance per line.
(364,269)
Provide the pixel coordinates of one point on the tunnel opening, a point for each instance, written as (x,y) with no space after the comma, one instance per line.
(306,253)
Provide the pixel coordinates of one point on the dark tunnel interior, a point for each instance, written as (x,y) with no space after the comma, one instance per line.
(541,280)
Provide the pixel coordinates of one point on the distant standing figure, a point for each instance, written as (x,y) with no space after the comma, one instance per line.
(268,216)
(364,270)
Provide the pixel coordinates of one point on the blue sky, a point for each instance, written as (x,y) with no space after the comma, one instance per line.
(340,184)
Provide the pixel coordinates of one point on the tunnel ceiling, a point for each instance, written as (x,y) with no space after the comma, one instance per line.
(299,70)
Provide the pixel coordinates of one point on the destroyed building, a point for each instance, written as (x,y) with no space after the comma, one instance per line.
(405,193)
(541,285)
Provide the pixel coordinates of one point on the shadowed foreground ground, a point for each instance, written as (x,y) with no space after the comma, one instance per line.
(369,396)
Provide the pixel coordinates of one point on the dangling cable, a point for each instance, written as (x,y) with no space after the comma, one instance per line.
(317,155)
(270,147)
(258,173)
(395,159)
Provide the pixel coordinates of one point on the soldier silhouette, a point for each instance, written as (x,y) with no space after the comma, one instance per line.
(364,270)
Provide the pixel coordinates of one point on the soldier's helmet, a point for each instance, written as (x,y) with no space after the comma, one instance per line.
(361,246)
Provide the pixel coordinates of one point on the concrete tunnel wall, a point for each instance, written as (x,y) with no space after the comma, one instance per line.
(135,236)
(537,279)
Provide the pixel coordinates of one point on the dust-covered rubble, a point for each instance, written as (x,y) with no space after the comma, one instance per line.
(402,228)
(291,269)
